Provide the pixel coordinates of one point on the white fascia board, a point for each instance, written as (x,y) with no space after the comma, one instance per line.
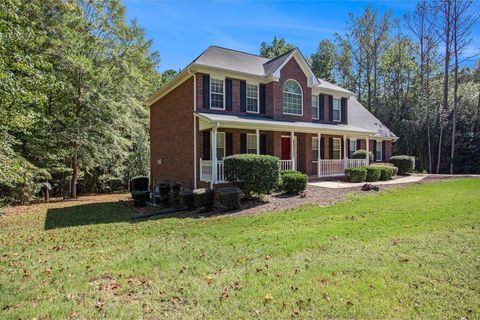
(335,93)
(312,79)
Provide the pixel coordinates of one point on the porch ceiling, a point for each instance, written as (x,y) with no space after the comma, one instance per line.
(209,120)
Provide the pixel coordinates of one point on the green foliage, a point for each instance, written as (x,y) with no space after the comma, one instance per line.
(186,198)
(204,198)
(251,173)
(405,164)
(354,175)
(373,174)
(361,154)
(293,182)
(229,198)
(275,49)
(140,197)
(139,183)
(386,171)
(323,60)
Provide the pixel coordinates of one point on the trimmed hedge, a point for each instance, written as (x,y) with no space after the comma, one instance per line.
(358,174)
(140,197)
(293,182)
(253,174)
(204,198)
(361,154)
(387,172)
(186,199)
(139,183)
(373,174)
(229,198)
(405,164)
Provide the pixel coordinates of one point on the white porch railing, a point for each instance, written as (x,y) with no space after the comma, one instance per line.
(330,168)
(285,165)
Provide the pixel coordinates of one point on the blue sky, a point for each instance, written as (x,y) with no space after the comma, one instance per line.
(181,30)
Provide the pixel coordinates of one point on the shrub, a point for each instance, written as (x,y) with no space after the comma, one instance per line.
(204,198)
(140,197)
(405,164)
(186,199)
(164,188)
(361,154)
(387,171)
(293,182)
(251,173)
(175,188)
(358,174)
(139,183)
(229,198)
(373,173)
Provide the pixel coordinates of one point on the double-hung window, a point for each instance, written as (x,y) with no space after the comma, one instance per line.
(352,147)
(252,98)
(378,151)
(337,146)
(315,107)
(216,93)
(251,143)
(220,145)
(315,148)
(337,115)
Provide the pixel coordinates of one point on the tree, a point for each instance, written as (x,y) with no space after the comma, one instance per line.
(275,49)
(324,60)
(168,75)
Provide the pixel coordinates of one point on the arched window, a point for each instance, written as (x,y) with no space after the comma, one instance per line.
(292,98)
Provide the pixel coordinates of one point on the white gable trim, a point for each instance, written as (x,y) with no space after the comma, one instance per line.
(312,79)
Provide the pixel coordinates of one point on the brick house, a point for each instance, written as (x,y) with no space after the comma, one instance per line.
(227,102)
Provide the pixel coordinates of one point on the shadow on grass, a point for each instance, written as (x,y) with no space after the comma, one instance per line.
(88,214)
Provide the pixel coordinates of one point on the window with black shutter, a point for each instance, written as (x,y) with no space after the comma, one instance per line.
(206,91)
(206,145)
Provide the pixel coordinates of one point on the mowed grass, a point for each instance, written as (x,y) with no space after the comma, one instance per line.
(413,252)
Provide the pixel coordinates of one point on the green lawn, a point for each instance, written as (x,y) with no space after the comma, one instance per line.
(413,252)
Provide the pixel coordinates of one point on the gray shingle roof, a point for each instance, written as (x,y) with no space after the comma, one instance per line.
(359,116)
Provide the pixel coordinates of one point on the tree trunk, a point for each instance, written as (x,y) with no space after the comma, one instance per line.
(455,84)
(73,182)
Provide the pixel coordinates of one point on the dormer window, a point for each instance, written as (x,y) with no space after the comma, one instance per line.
(252,98)
(216,93)
(292,98)
(337,114)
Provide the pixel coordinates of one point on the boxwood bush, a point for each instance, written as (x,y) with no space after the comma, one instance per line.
(358,174)
(373,174)
(204,198)
(361,154)
(387,172)
(229,198)
(253,174)
(405,164)
(293,182)
(186,199)
(139,190)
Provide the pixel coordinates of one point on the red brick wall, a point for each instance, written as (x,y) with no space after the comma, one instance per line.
(171,136)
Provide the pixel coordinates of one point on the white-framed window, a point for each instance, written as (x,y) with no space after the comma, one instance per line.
(252,98)
(292,98)
(315,148)
(337,148)
(378,151)
(315,100)
(217,94)
(251,143)
(220,145)
(337,114)
(352,147)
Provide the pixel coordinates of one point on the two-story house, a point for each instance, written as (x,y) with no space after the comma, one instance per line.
(227,102)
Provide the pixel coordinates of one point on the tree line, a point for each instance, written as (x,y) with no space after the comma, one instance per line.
(412,74)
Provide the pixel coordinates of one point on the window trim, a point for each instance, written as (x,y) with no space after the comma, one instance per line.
(223,92)
(247,97)
(255,135)
(350,147)
(379,159)
(339,148)
(317,106)
(315,148)
(301,94)
(224,145)
(339,109)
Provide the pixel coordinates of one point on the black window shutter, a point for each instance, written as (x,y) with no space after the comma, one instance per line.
(374,150)
(344,110)
(263,106)
(229,144)
(321,107)
(342,149)
(263,144)
(322,148)
(359,144)
(206,91)
(384,153)
(243,143)
(330,148)
(206,145)
(330,108)
(348,147)
(243,96)
(228,92)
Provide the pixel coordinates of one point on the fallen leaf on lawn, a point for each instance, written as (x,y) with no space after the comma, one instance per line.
(224,294)
(209,280)
(259,270)
(326,297)
(404,260)
(268,298)
(349,303)
(89,269)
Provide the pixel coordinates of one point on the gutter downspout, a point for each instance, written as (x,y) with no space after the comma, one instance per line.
(194,129)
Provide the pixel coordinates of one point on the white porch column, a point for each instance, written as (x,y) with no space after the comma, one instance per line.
(319,157)
(213,146)
(257,132)
(367,149)
(345,155)
(292,149)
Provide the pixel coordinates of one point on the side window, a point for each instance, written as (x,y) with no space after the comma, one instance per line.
(315,148)
(337,145)
(251,143)
(352,147)
(378,151)
(337,114)
(216,93)
(220,145)
(252,98)
(314,107)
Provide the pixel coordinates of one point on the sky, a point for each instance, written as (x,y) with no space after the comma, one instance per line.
(181,30)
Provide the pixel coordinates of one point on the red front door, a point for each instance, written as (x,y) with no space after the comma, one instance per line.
(286,148)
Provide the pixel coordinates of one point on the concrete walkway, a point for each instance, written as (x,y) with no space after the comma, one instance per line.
(341,184)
